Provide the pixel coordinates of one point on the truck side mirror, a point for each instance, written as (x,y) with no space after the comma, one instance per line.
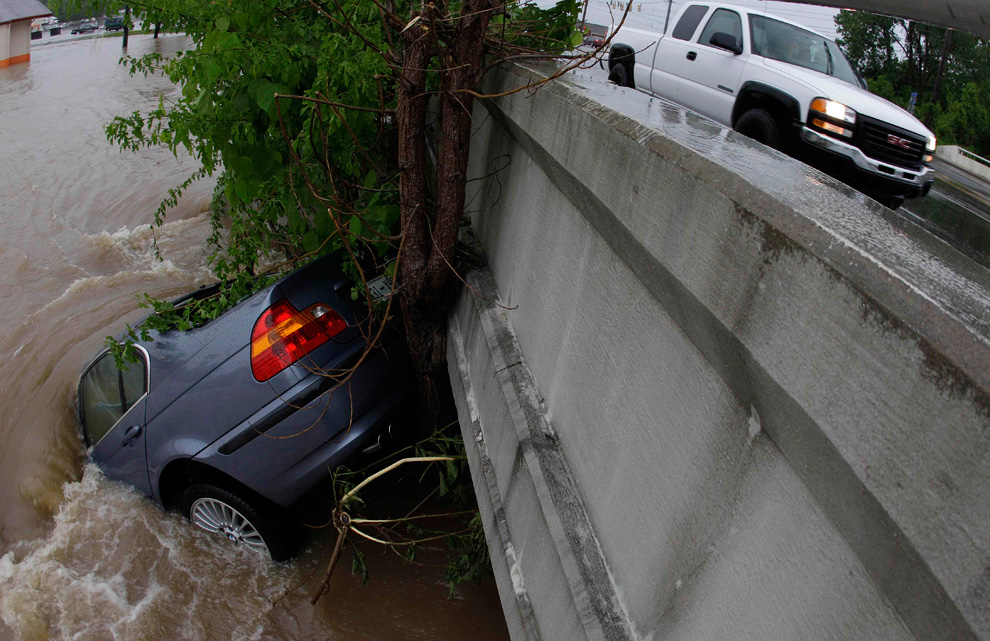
(725,41)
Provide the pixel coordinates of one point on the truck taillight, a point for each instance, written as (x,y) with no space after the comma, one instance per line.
(282,335)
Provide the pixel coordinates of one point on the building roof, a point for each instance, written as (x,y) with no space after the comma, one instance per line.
(14,10)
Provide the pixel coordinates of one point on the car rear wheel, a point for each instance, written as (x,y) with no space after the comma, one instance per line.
(222,512)
(760,126)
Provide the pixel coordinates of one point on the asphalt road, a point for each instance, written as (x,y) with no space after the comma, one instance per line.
(957,210)
(976,189)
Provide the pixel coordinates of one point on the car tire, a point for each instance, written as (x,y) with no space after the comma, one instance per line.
(761,127)
(618,75)
(223,512)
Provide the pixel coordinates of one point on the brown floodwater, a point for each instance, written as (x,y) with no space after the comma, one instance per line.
(82,557)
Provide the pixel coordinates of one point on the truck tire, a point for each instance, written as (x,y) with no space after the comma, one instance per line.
(890,202)
(618,76)
(760,126)
(621,62)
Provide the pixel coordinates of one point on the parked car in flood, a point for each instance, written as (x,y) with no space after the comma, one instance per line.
(85,27)
(234,421)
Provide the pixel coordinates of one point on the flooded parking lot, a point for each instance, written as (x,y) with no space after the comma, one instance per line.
(81,557)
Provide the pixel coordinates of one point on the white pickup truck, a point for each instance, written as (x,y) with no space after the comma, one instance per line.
(785,86)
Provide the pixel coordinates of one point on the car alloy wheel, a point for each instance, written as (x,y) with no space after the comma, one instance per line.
(252,524)
(216,516)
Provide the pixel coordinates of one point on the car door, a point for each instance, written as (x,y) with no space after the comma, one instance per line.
(112,413)
(672,51)
(711,74)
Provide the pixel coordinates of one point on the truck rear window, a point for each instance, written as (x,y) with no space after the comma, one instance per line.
(689,22)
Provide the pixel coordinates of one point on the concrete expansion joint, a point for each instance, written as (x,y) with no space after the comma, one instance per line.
(580,555)
(522,619)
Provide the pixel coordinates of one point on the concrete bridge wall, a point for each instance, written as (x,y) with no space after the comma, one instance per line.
(699,405)
(956,156)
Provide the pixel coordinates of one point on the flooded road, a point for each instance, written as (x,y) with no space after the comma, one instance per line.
(81,557)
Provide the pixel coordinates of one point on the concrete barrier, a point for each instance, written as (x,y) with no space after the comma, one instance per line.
(710,393)
(959,157)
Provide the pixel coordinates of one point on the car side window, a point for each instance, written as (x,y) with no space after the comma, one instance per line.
(724,21)
(133,383)
(106,393)
(689,21)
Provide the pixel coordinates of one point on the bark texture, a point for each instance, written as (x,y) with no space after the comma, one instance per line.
(441,55)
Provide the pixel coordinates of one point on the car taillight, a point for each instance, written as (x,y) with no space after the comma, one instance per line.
(283,335)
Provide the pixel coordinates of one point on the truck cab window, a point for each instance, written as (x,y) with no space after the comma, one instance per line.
(689,21)
(723,21)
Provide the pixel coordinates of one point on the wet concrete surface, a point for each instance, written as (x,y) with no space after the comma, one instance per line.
(860,235)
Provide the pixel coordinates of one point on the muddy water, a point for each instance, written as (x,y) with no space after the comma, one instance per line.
(81,557)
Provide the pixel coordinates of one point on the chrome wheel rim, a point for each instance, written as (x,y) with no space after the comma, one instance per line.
(218,517)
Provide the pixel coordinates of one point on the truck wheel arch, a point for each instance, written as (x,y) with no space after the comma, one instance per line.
(756,95)
(624,55)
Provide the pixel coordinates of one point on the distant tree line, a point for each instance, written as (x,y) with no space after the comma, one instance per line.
(949,71)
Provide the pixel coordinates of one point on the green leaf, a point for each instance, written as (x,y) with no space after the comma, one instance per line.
(244,190)
(443,485)
(356,226)
(265,96)
(210,42)
(242,166)
(370,179)
(222,24)
(230,194)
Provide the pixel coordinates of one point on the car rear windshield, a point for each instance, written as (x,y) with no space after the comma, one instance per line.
(106,393)
(784,42)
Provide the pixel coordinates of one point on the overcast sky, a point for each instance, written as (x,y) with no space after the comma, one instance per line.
(650,14)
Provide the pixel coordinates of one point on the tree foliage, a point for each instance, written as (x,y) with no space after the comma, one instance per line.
(946,69)
(335,125)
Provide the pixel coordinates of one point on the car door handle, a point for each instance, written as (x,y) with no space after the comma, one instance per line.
(130,435)
(692,55)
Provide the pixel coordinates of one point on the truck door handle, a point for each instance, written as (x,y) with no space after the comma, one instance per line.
(130,435)
(692,55)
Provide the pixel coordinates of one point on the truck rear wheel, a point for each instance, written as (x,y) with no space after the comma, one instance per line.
(618,76)
(760,126)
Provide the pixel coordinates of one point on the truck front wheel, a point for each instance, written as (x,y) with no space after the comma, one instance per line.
(760,126)
(890,202)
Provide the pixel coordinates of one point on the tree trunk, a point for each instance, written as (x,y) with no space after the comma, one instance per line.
(430,228)
(158,26)
(423,309)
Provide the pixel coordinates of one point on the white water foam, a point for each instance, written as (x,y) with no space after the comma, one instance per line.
(116,567)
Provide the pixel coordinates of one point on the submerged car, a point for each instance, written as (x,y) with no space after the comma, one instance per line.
(233,422)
